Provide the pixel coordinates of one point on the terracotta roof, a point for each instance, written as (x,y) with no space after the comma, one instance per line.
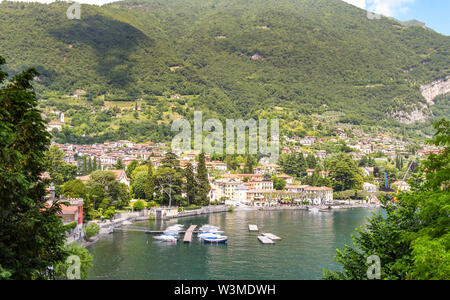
(314,188)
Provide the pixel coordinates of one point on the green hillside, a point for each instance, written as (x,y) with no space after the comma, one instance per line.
(233,57)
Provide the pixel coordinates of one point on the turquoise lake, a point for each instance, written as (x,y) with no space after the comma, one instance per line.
(309,243)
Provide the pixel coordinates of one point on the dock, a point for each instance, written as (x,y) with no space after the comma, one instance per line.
(271,236)
(188,234)
(265,240)
(253,228)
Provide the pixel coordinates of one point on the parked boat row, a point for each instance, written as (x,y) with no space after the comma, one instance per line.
(170,234)
(207,234)
(211,234)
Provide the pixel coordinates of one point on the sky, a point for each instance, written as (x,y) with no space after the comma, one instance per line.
(434,13)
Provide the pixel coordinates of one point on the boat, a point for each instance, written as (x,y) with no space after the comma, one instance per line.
(175,227)
(207,234)
(218,239)
(314,209)
(166,238)
(208,227)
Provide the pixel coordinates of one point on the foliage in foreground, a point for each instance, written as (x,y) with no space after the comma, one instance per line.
(31,234)
(413,238)
(85,262)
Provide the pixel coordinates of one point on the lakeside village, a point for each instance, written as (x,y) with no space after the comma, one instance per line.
(108,181)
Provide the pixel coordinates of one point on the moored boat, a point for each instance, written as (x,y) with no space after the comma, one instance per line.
(215,239)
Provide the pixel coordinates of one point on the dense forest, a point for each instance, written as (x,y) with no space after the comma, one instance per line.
(228,58)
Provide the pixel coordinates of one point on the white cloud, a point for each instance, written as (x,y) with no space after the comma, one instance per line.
(390,8)
(357,3)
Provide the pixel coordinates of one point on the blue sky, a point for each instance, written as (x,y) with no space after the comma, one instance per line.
(435,13)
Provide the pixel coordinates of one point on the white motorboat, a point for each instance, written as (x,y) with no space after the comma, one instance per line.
(313,210)
(166,238)
(217,239)
(207,234)
(208,227)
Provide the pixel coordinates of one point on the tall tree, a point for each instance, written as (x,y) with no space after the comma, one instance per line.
(90,170)
(84,167)
(31,234)
(119,165)
(190,185)
(203,181)
(311,161)
(59,170)
(150,182)
(248,168)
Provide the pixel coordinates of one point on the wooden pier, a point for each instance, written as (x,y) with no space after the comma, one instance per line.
(271,236)
(188,234)
(253,227)
(265,240)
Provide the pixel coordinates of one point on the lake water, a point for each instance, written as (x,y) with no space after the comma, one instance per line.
(309,245)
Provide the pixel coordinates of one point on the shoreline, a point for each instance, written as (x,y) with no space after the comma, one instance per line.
(108,227)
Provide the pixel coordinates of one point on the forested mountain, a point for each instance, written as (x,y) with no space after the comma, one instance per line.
(237,57)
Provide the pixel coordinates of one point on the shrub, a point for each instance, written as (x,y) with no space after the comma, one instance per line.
(91,230)
(70,226)
(109,214)
(139,205)
(151,204)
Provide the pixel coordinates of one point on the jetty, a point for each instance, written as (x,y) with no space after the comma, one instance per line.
(271,236)
(188,235)
(265,240)
(253,227)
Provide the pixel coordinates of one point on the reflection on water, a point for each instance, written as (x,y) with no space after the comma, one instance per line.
(309,245)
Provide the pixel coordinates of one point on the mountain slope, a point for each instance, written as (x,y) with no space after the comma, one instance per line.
(239,57)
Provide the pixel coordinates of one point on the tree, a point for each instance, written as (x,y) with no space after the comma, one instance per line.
(150,182)
(248,168)
(105,191)
(294,164)
(203,181)
(139,185)
(31,233)
(131,168)
(311,161)
(74,189)
(89,167)
(190,187)
(84,166)
(412,239)
(119,165)
(59,170)
(344,173)
(168,186)
(278,183)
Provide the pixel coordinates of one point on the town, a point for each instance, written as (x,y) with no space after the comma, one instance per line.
(305,176)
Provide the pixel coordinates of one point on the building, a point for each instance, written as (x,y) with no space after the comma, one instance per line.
(287,178)
(401,186)
(308,141)
(370,188)
(319,195)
